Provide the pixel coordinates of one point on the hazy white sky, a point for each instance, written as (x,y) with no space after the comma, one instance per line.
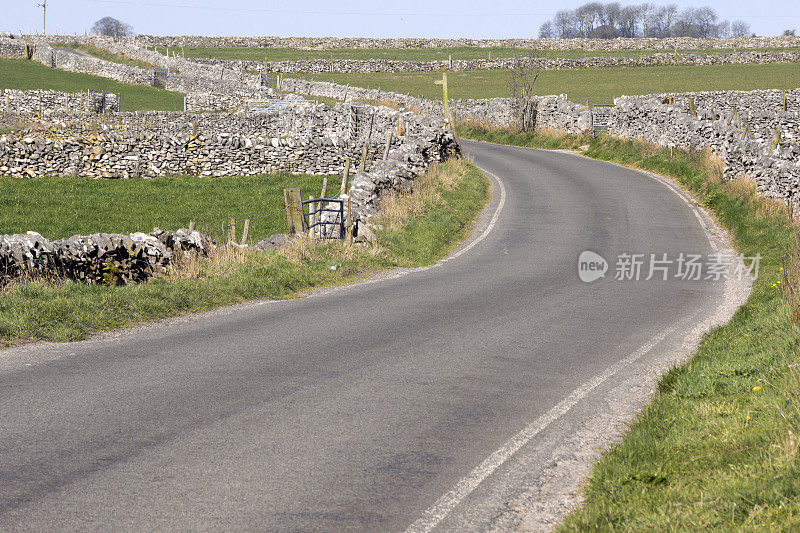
(348,18)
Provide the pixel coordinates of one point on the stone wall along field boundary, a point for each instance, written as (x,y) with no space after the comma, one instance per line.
(324,43)
(100,258)
(320,66)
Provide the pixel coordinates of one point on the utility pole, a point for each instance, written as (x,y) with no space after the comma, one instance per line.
(43,5)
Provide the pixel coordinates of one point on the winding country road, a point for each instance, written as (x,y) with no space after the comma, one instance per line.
(421,400)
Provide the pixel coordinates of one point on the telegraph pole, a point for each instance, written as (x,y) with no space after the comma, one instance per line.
(43,5)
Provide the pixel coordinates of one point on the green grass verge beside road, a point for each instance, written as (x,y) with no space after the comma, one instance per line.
(718,447)
(31,75)
(65,311)
(422,54)
(597,85)
(85,205)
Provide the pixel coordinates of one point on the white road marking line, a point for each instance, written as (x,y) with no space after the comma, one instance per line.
(491,223)
(691,203)
(464,250)
(435,514)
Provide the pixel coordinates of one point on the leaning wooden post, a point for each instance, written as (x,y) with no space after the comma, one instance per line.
(191,225)
(363,159)
(345,177)
(293,205)
(245,231)
(349,221)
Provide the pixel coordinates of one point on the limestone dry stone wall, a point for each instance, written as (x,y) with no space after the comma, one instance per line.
(387,65)
(324,43)
(100,258)
(774,167)
(305,139)
(11,48)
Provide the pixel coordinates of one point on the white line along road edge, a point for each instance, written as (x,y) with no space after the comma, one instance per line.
(435,514)
(491,223)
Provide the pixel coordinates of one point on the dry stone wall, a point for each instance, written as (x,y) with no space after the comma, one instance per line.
(323,43)
(305,139)
(11,48)
(746,151)
(386,65)
(100,258)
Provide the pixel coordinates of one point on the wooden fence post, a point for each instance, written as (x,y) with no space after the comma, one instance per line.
(312,217)
(232,231)
(349,221)
(245,231)
(388,145)
(363,159)
(345,177)
(324,187)
(292,202)
(191,225)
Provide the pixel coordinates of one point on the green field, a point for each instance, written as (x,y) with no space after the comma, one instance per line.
(452,194)
(581,85)
(420,54)
(87,206)
(31,75)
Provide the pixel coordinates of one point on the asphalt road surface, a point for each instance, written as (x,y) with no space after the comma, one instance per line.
(425,399)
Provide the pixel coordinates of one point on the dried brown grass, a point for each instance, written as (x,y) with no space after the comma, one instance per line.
(219,262)
(769,208)
(396,208)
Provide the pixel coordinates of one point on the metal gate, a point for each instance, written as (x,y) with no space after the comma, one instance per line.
(271,81)
(360,120)
(159,77)
(102,102)
(324,221)
(601,114)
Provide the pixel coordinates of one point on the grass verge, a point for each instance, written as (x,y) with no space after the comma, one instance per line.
(30,75)
(449,198)
(718,446)
(594,85)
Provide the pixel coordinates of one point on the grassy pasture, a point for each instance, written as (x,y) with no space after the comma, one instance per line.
(421,54)
(445,203)
(597,85)
(60,207)
(31,75)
